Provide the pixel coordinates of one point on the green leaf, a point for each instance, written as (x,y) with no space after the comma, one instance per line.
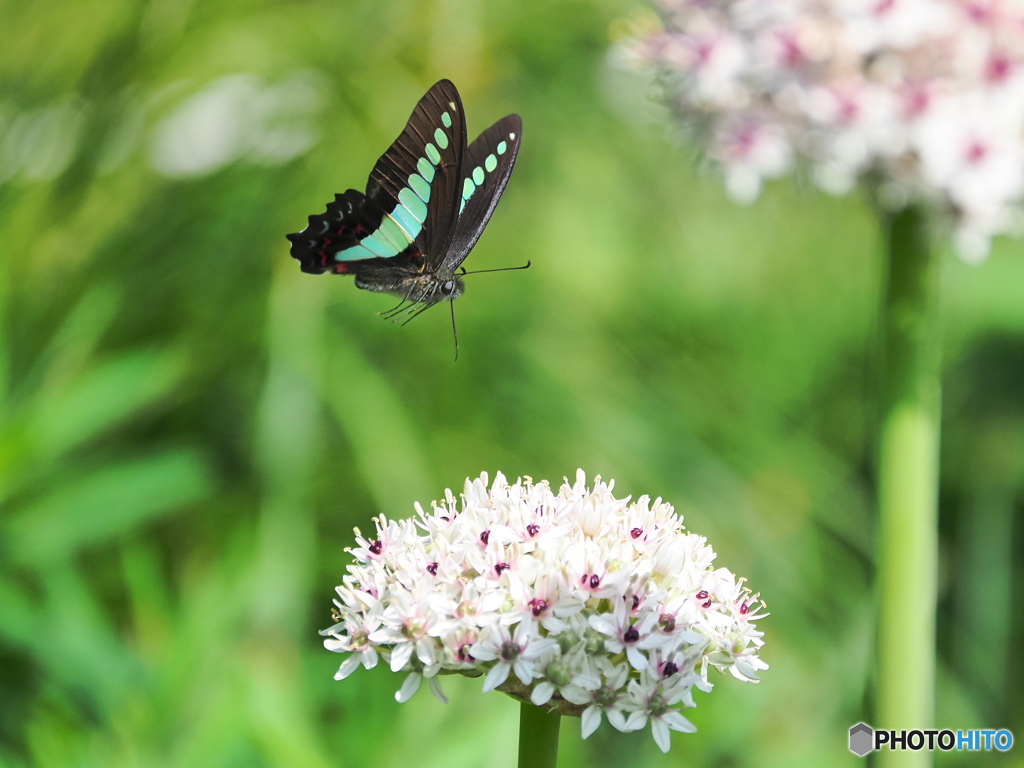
(105,504)
(104,396)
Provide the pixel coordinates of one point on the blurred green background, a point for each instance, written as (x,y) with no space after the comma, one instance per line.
(190,428)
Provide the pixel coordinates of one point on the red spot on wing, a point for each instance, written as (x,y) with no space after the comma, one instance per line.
(340,269)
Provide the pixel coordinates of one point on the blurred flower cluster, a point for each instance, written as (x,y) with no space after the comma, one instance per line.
(577,601)
(923,98)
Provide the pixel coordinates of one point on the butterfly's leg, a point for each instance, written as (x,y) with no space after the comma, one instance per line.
(417,313)
(394,310)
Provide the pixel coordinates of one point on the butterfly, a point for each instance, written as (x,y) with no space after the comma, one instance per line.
(428,200)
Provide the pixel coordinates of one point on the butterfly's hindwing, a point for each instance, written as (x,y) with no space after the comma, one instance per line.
(486,169)
(352,229)
(417,181)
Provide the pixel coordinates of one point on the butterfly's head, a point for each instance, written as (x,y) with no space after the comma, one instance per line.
(450,289)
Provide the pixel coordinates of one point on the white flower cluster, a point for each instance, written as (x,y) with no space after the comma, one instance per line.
(924,97)
(594,604)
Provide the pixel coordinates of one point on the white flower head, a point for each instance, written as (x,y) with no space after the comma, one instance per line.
(926,94)
(592,605)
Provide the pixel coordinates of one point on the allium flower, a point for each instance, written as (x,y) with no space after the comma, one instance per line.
(576,601)
(923,97)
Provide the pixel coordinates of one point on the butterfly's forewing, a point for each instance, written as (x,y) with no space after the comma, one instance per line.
(417,181)
(486,169)
(411,202)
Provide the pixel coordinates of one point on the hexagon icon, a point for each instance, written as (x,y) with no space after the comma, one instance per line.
(862,739)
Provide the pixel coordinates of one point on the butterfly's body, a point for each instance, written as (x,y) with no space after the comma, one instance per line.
(427,201)
(415,284)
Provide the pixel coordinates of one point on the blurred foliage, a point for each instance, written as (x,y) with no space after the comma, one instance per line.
(191,428)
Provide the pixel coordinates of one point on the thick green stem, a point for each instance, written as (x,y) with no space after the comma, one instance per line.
(538,737)
(908,456)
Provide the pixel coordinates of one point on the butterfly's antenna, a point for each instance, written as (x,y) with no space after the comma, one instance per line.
(455,333)
(527,265)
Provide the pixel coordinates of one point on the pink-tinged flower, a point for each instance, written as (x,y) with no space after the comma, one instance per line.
(652,699)
(546,598)
(972,158)
(406,628)
(923,97)
(516,651)
(750,153)
(609,698)
(566,674)
(629,632)
(567,599)
(352,635)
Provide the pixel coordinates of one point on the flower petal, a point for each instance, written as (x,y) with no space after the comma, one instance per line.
(497,676)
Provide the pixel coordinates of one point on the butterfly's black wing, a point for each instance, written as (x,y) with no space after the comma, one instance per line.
(409,211)
(419,176)
(340,238)
(486,170)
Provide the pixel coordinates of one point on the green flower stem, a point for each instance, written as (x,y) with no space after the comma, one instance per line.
(538,736)
(908,457)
